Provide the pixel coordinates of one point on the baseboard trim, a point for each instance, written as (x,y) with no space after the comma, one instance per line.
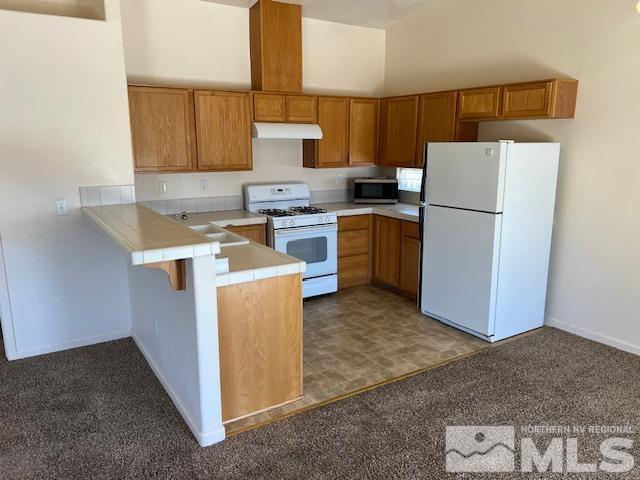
(203,439)
(596,337)
(82,342)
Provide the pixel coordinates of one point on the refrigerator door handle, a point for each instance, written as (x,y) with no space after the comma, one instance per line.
(423,187)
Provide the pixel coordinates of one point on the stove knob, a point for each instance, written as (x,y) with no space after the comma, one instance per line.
(292,222)
(320,219)
(284,223)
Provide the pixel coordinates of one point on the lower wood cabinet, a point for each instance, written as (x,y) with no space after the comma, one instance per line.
(410,258)
(383,249)
(257,233)
(354,241)
(396,257)
(260,337)
(386,250)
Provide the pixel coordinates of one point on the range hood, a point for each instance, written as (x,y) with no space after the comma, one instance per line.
(299,131)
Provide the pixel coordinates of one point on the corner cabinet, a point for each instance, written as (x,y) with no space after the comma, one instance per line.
(386,250)
(223,130)
(398,127)
(436,120)
(363,131)
(333,150)
(162,129)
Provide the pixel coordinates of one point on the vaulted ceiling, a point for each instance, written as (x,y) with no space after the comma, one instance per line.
(366,13)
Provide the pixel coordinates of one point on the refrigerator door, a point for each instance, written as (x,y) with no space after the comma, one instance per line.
(466,175)
(460,255)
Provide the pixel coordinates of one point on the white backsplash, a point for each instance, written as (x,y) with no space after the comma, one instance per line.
(107,195)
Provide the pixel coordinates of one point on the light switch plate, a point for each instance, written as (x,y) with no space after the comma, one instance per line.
(163,186)
(61,207)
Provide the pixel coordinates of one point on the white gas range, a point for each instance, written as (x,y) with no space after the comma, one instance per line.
(304,232)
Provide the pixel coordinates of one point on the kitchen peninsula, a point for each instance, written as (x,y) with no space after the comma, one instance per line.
(224,345)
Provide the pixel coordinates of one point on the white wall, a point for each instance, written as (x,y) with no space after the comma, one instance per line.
(208,46)
(64,124)
(595,265)
(178,334)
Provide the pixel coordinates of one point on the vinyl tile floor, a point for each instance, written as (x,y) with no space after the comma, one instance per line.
(361,337)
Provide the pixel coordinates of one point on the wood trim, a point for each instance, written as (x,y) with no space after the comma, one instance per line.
(175,270)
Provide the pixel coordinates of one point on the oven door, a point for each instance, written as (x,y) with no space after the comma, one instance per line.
(317,246)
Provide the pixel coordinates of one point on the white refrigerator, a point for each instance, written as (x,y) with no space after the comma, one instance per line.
(486,224)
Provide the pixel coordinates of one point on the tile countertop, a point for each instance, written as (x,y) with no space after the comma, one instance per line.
(228,218)
(254,261)
(402,211)
(150,237)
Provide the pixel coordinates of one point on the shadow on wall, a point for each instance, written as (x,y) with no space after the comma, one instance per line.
(469,75)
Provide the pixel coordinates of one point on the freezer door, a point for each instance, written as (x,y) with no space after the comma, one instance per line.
(460,255)
(466,175)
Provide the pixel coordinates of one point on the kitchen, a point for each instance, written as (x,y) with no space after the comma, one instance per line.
(291,232)
(341,244)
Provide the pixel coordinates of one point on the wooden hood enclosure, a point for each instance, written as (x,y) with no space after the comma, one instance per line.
(276,46)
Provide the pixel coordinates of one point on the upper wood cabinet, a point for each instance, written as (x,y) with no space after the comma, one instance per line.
(333,149)
(223,126)
(398,127)
(301,108)
(548,99)
(479,103)
(363,131)
(276,46)
(386,250)
(269,108)
(162,129)
(436,120)
(273,107)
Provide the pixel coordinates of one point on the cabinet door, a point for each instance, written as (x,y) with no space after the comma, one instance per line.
(223,126)
(479,103)
(301,109)
(252,232)
(528,100)
(268,108)
(386,252)
(333,117)
(161,129)
(363,131)
(410,258)
(399,127)
(436,120)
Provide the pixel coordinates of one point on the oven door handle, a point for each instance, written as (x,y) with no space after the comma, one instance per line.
(290,232)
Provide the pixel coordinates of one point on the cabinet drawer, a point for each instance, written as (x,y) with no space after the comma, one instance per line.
(353,242)
(301,109)
(528,100)
(411,230)
(479,103)
(353,271)
(354,222)
(268,108)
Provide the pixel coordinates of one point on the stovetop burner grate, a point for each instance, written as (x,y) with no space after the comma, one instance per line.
(276,212)
(308,210)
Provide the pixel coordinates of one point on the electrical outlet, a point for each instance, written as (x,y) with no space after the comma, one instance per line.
(163,186)
(61,207)
(204,185)
(339,179)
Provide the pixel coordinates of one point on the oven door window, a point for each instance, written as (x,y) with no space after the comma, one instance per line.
(310,250)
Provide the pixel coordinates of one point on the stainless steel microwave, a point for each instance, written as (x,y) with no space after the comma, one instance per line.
(376,190)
